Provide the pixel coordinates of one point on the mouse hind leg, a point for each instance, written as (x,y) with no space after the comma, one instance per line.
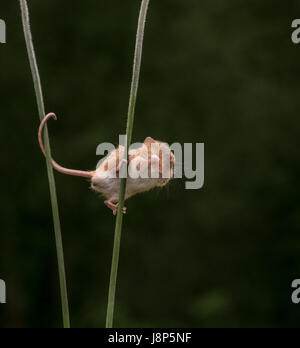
(111,204)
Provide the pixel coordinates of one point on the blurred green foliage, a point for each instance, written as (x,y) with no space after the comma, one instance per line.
(220,72)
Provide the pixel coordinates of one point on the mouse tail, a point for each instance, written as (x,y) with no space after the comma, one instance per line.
(56,166)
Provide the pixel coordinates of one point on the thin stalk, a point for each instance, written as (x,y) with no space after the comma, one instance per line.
(53,195)
(130,121)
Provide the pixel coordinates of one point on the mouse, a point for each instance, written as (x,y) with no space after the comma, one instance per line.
(149,166)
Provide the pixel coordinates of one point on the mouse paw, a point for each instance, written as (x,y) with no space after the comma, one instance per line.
(115,211)
(114,207)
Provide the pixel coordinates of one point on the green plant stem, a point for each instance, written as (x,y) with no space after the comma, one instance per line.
(53,195)
(130,121)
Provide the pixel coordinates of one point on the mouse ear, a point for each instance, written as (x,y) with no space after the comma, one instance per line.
(149,140)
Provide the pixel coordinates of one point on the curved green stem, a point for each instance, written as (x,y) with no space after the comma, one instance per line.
(41,109)
(130,121)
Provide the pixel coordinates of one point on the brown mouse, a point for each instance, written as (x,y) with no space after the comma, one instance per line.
(151,165)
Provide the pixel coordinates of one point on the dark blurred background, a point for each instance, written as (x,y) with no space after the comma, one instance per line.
(220,72)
